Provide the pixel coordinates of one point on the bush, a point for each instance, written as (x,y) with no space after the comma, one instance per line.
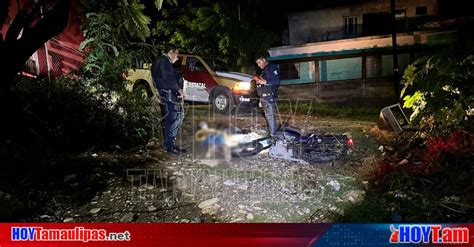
(439,90)
(76,115)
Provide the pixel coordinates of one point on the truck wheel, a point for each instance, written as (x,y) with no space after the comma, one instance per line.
(222,100)
(144,90)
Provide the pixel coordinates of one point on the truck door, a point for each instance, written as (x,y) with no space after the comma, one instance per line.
(198,82)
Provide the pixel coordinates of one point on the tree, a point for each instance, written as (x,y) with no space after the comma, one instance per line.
(34,24)
(439,91)
(214,30)
(116,38)
(37,21)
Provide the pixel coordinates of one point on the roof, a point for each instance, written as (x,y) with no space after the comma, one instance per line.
(360,45)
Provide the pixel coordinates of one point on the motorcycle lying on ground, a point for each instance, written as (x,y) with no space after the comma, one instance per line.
(291,145)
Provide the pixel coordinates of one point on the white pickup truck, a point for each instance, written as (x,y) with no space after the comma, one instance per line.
(204,81)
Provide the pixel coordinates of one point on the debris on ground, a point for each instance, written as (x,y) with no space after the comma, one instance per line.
(190,189)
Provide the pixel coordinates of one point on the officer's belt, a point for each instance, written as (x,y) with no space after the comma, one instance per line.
(265,90)
(169,91)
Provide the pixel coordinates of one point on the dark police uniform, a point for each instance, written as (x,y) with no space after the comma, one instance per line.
(268,94)
(168,81)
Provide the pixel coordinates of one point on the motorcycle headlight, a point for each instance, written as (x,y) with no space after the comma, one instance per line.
(242,86)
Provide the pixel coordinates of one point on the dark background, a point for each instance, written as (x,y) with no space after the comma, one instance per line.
(272,15)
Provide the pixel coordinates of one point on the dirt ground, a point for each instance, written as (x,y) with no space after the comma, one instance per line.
(151,186)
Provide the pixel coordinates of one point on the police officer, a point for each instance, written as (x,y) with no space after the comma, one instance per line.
(269,82)
(169,83)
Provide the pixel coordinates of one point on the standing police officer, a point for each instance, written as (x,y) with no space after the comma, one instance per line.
(269,82)
(169,83)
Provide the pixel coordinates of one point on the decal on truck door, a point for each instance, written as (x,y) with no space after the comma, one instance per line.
(198,82)
(195,91)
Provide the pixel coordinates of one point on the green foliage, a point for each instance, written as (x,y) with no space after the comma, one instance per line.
(439,90)
(214,31)
(108,28)
(93,109)
(159,3)
(75,116)
(117,36)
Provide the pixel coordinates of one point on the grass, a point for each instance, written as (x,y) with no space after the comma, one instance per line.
(318,109)
(331,110)
(364,142)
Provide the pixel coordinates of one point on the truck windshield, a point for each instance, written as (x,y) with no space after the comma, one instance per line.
(217,65)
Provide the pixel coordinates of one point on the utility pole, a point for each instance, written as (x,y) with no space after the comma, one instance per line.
(396,81)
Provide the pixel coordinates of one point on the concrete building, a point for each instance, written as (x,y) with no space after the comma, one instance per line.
(344,54)
(364,19)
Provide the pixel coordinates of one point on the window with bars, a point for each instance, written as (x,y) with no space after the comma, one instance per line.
(382,65)
(289,71)
(350,25)
(297,72)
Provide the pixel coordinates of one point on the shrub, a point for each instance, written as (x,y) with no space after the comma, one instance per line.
(439,90)
(77,115)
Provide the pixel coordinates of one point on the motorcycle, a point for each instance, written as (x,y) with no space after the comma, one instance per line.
(291,145)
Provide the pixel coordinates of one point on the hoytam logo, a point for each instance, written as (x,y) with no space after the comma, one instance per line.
(74,234)
(429,234)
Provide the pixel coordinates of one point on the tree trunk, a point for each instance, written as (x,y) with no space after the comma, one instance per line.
(15,51)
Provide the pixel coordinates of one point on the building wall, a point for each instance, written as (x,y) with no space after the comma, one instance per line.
(352,71)
(374,92)
(328,24)
(359,80)
(325,64)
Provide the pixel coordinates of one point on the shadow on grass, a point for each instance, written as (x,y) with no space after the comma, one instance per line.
(68,181)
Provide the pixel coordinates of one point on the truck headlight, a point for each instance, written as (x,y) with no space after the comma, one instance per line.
(242,86)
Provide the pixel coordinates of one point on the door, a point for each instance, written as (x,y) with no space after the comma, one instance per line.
(197,81)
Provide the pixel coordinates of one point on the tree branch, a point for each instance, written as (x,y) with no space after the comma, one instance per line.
(17,51)
(24,18)
(4,7)
(18,23)
(52,24)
